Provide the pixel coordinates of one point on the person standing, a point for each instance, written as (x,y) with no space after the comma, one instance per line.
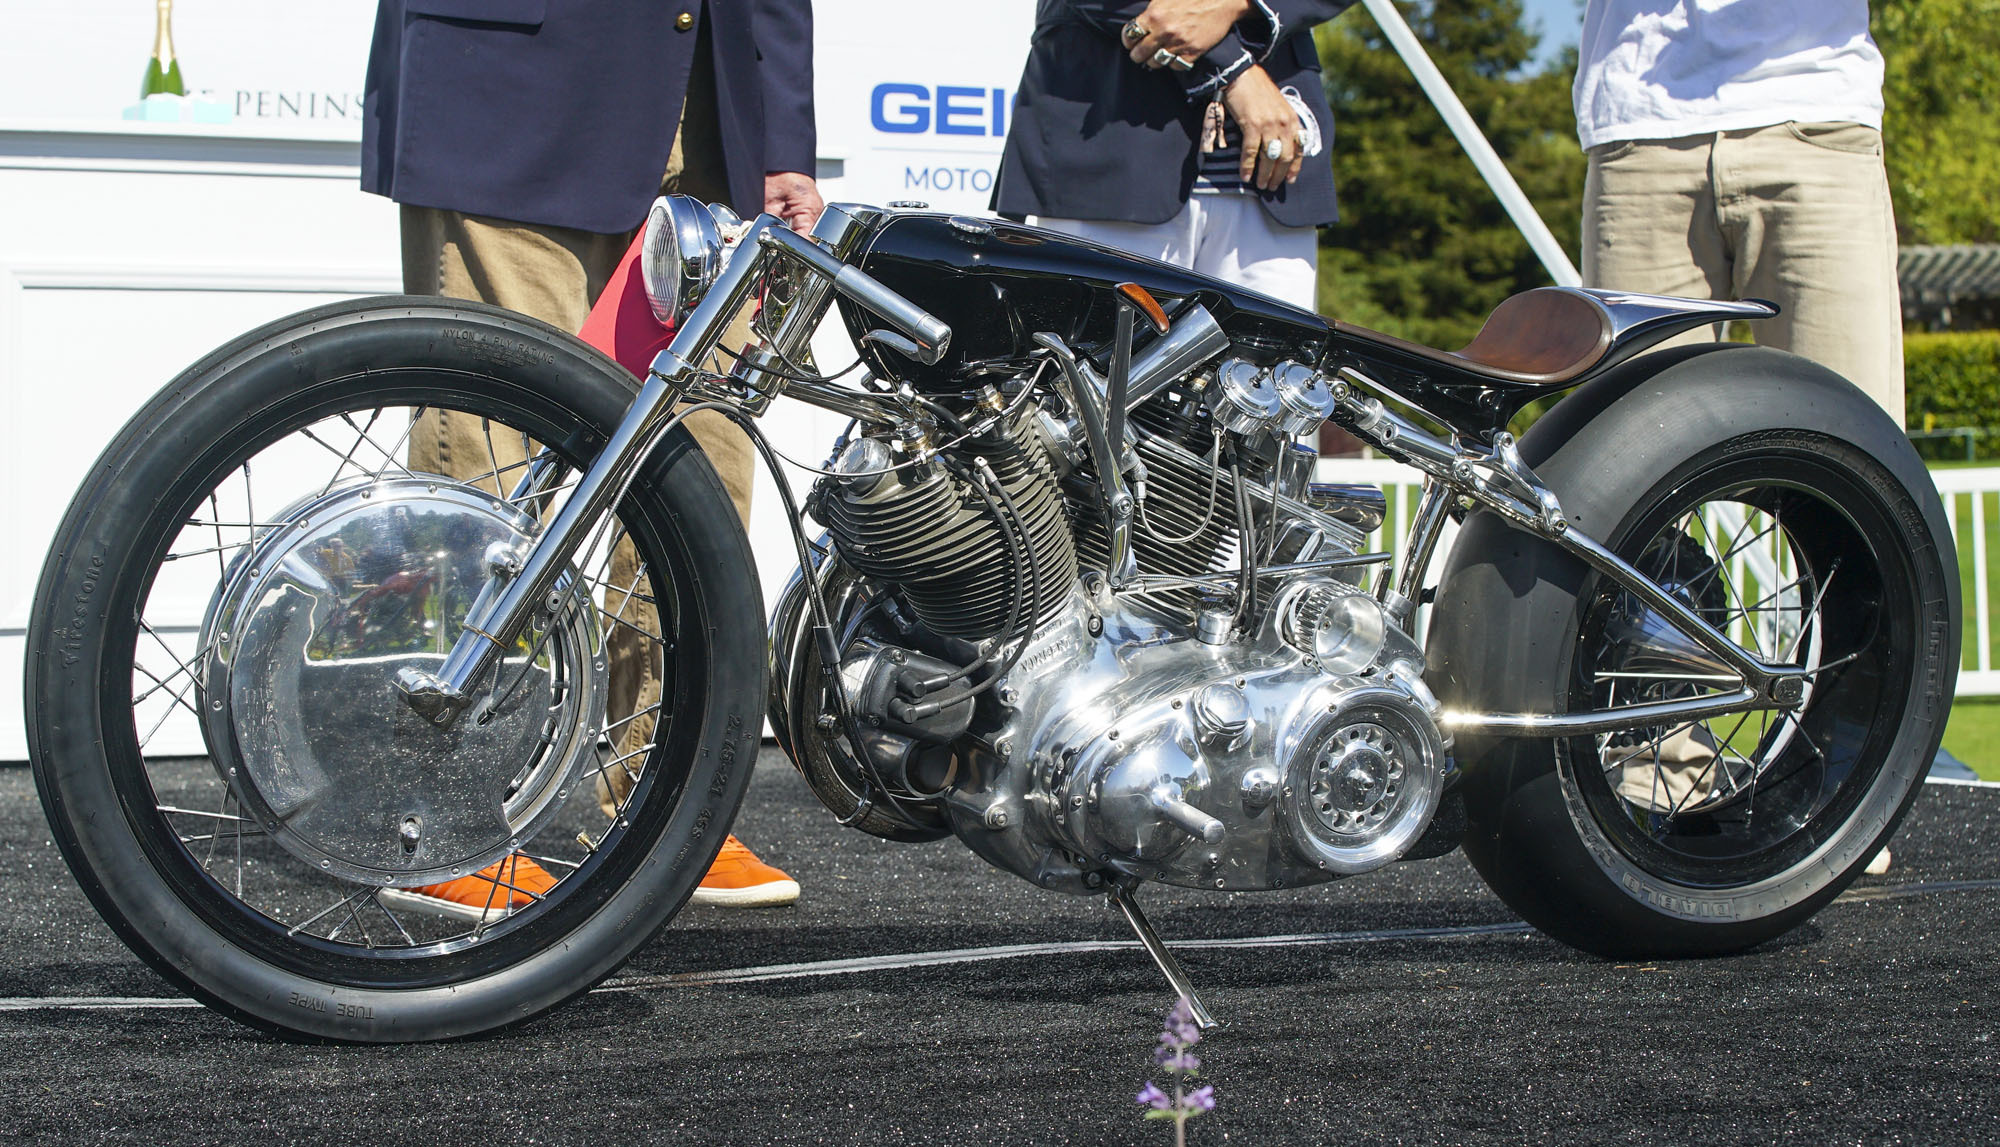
(524,141)
(1195,132)
(1735,151)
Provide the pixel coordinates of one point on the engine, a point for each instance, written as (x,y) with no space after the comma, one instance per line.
(1073,733)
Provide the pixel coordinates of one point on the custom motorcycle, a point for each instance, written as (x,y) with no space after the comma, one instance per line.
(1075,597)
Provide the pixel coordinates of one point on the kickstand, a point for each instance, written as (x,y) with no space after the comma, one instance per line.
(1169,967)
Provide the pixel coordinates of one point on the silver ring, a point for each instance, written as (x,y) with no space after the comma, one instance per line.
(1274,149)
(1162,57)
(1132,32)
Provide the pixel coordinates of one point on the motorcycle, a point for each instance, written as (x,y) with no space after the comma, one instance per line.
(1077,600)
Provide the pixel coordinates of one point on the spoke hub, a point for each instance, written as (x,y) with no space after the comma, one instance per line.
(308,636)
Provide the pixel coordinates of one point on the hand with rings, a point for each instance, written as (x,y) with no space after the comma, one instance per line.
(1175,33)
(1271,154)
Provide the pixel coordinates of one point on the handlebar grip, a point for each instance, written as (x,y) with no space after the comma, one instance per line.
(928,331)
(930,334)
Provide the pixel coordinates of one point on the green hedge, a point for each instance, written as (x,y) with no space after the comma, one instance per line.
(1952,378)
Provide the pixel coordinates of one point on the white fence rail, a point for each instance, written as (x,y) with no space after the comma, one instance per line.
(1971,506)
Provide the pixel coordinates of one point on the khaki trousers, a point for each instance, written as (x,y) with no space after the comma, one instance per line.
(1796,213)
(555,274)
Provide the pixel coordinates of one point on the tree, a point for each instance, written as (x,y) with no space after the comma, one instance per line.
(1424,249)
(1941,133)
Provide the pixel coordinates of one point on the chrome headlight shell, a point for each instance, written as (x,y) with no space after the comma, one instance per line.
(679,257)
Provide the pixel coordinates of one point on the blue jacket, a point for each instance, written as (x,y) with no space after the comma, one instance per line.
(1096,136)
(563,112)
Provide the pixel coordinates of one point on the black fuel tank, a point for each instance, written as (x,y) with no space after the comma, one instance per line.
(998,283)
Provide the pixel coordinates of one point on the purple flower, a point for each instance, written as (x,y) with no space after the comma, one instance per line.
(1177,1036)
(1181,1028)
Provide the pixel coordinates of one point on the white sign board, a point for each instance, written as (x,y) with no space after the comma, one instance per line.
(913,96)
(289,70)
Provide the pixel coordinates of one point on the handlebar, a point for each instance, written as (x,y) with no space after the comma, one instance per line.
(930,336)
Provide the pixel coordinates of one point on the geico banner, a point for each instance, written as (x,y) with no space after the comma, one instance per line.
(913,95)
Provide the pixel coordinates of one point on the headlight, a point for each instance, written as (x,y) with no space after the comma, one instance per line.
(680,256)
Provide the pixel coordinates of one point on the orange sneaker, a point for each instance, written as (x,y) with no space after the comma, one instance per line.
(492,893)
(738,879)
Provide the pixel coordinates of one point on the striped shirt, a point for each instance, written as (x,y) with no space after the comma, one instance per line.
(1218,172)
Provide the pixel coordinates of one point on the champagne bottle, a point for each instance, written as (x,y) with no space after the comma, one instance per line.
(163,71)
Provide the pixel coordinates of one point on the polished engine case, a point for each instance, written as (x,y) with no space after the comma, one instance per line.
(1114,759)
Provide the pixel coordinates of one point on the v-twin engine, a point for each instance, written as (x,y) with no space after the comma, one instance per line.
(1160,732)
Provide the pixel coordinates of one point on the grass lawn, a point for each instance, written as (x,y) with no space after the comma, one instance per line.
(1973,735)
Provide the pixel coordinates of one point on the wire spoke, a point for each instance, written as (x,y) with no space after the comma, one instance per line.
(623,721)
(205,551)
(1719,567)
(354,917)
(346,459)
(373,417)
(337,905)
(1819,599)
(408,940)
(389,456)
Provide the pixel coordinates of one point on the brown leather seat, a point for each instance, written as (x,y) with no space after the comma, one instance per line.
(1541,337)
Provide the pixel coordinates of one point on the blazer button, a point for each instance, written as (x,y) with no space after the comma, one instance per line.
(684,21)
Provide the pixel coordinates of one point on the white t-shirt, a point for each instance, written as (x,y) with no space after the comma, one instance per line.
(1661,69)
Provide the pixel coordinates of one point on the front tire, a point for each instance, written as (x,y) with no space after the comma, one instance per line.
(1702,838)
(171,852)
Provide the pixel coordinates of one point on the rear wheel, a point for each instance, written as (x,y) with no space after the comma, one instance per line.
(249,564)
(1809,545)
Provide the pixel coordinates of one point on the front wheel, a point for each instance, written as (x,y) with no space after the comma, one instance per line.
(1782,506)
(223,756)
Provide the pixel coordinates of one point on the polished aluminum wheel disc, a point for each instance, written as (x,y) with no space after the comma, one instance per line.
(304,720)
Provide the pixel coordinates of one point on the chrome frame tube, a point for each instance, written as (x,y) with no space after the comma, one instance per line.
(1085,394)
(841,231)
(1227,579)
(1498,480)
(1419,546)
(868,408)
(1601,720)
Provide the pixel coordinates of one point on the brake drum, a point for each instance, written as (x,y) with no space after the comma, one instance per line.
(302,644)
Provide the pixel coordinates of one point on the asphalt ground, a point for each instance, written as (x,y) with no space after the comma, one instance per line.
(1407,1006)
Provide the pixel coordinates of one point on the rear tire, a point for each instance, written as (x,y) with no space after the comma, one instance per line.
(1593,839)
(138,851)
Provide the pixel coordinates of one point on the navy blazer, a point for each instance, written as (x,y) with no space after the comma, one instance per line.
(563,112)
(1096,136)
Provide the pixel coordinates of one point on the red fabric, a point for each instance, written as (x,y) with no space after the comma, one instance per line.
(622,323)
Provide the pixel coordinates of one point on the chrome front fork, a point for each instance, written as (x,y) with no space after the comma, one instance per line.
(526,583)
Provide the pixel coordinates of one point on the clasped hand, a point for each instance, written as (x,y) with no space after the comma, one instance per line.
(1188,29)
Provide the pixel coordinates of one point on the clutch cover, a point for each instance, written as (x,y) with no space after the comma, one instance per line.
(302,643)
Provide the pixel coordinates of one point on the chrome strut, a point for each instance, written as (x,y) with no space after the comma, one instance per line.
(1169,967)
